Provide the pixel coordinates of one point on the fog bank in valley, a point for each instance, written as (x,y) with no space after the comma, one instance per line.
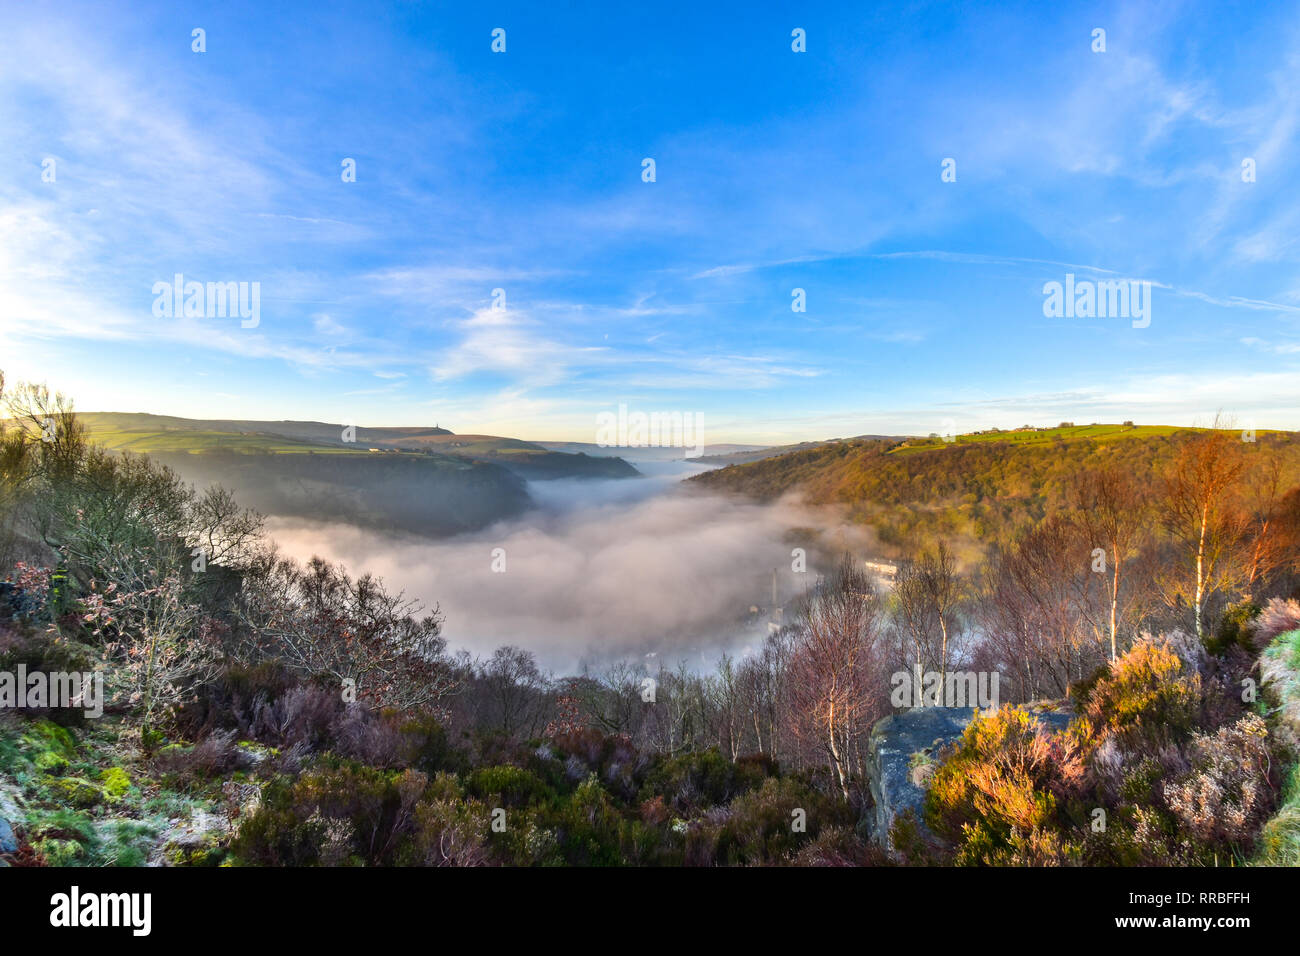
(604,570)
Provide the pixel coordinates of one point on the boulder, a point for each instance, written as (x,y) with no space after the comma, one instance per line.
(197,841)
(894,740)
(8,840)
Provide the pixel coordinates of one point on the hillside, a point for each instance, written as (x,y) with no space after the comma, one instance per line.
(744,455)
(979,488)
(156,434)
(433,495)
(642,453)
(305,470)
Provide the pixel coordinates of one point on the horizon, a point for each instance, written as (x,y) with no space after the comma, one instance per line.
(500,258)
(627,450)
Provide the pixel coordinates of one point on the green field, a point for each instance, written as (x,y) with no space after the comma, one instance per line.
(199,442)
(1046,436)
(167,435)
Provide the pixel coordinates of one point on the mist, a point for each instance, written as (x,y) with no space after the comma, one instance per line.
(602,571)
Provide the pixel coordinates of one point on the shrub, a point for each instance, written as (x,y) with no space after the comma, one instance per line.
(1082,689)
(45,652)
(703,778)
(915,845)
(590,830)
(1151,688)
(997,795)
(304,713)
(612,757)
(265,704)
(1235,629)
(513,786)
(428,748)
(840,846)
(450,830)
(367,737)
(760,827)
(336,813)
(232,700)
(188,768)
(1226,796)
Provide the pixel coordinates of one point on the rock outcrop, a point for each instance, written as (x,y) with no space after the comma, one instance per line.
(8,842)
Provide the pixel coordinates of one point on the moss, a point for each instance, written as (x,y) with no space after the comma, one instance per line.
(77,791)
(64,837)
(48,746)
(61,852)
(49,762)
(52,736)
(116,782)
(920,759)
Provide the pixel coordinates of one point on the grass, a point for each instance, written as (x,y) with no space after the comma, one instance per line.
(1288,644)
(161,435)
(145,441)
(1279,841)
(118,814)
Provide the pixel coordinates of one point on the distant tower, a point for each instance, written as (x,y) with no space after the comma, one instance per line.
(776,607)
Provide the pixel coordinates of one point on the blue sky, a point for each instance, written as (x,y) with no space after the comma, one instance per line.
(775,170)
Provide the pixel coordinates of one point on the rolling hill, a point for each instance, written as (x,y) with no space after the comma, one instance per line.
(156,434)
(425,481)
(977,489)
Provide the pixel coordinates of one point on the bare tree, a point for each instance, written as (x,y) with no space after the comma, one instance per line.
(15,471)
(1200,516)
(49,426)
(517,690)
(942,591)
(1264,544)
(227,534)
(322,623)
(1111,510)
(1039,608)
(837,681)
(152,635)
(725,696)
(914,619)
